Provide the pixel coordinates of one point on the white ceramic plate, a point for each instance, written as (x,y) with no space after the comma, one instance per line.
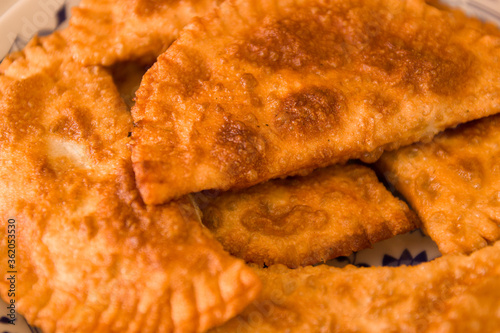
(20,20)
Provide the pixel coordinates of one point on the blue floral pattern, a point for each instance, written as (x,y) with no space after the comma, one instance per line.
(396,251)
(61,17)
(351,260)
(405,259)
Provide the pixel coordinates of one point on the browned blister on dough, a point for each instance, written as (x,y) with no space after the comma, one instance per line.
(91,256)
(108,31)
(305,220)
(455,293)
(453,183)
(262,89)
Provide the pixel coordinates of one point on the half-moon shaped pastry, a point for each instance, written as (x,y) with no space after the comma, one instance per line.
(108,31)
(301,221)
(454,293)
(453,183)
(90,256)
(264,89)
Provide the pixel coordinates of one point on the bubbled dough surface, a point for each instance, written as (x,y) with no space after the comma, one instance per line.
(263,89)
(305,220)
(454,293)
(454,184)
(91,256)
(109,31)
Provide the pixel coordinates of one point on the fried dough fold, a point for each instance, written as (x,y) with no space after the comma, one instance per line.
(453,183)
(454,293)
(91,256)
(305,220)
(262,89)
(104,32)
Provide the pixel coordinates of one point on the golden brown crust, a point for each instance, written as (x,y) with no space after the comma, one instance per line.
(454,293)
(453,183)
(91,257)
(108,31)
(263,89)
(305,220)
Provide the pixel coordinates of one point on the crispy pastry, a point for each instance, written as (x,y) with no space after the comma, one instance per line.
(453,183)
(305,220)
(107,31)
(454,293)
(263,89)
(91,257)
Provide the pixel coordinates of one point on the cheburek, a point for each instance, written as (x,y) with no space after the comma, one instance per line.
(109,31)
(453,183)
(454,293)
(305,220)
(263,89)
(91,257)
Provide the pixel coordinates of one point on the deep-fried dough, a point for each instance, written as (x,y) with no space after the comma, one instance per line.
(91,257)
(454,293)
(107,31)
(262,89)
(305,220)
(453,183)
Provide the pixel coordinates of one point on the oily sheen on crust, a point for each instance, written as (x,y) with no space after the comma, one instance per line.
(108,31)
(454,293)
(453,183)
(264,89)
(91,256)
(302,221)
